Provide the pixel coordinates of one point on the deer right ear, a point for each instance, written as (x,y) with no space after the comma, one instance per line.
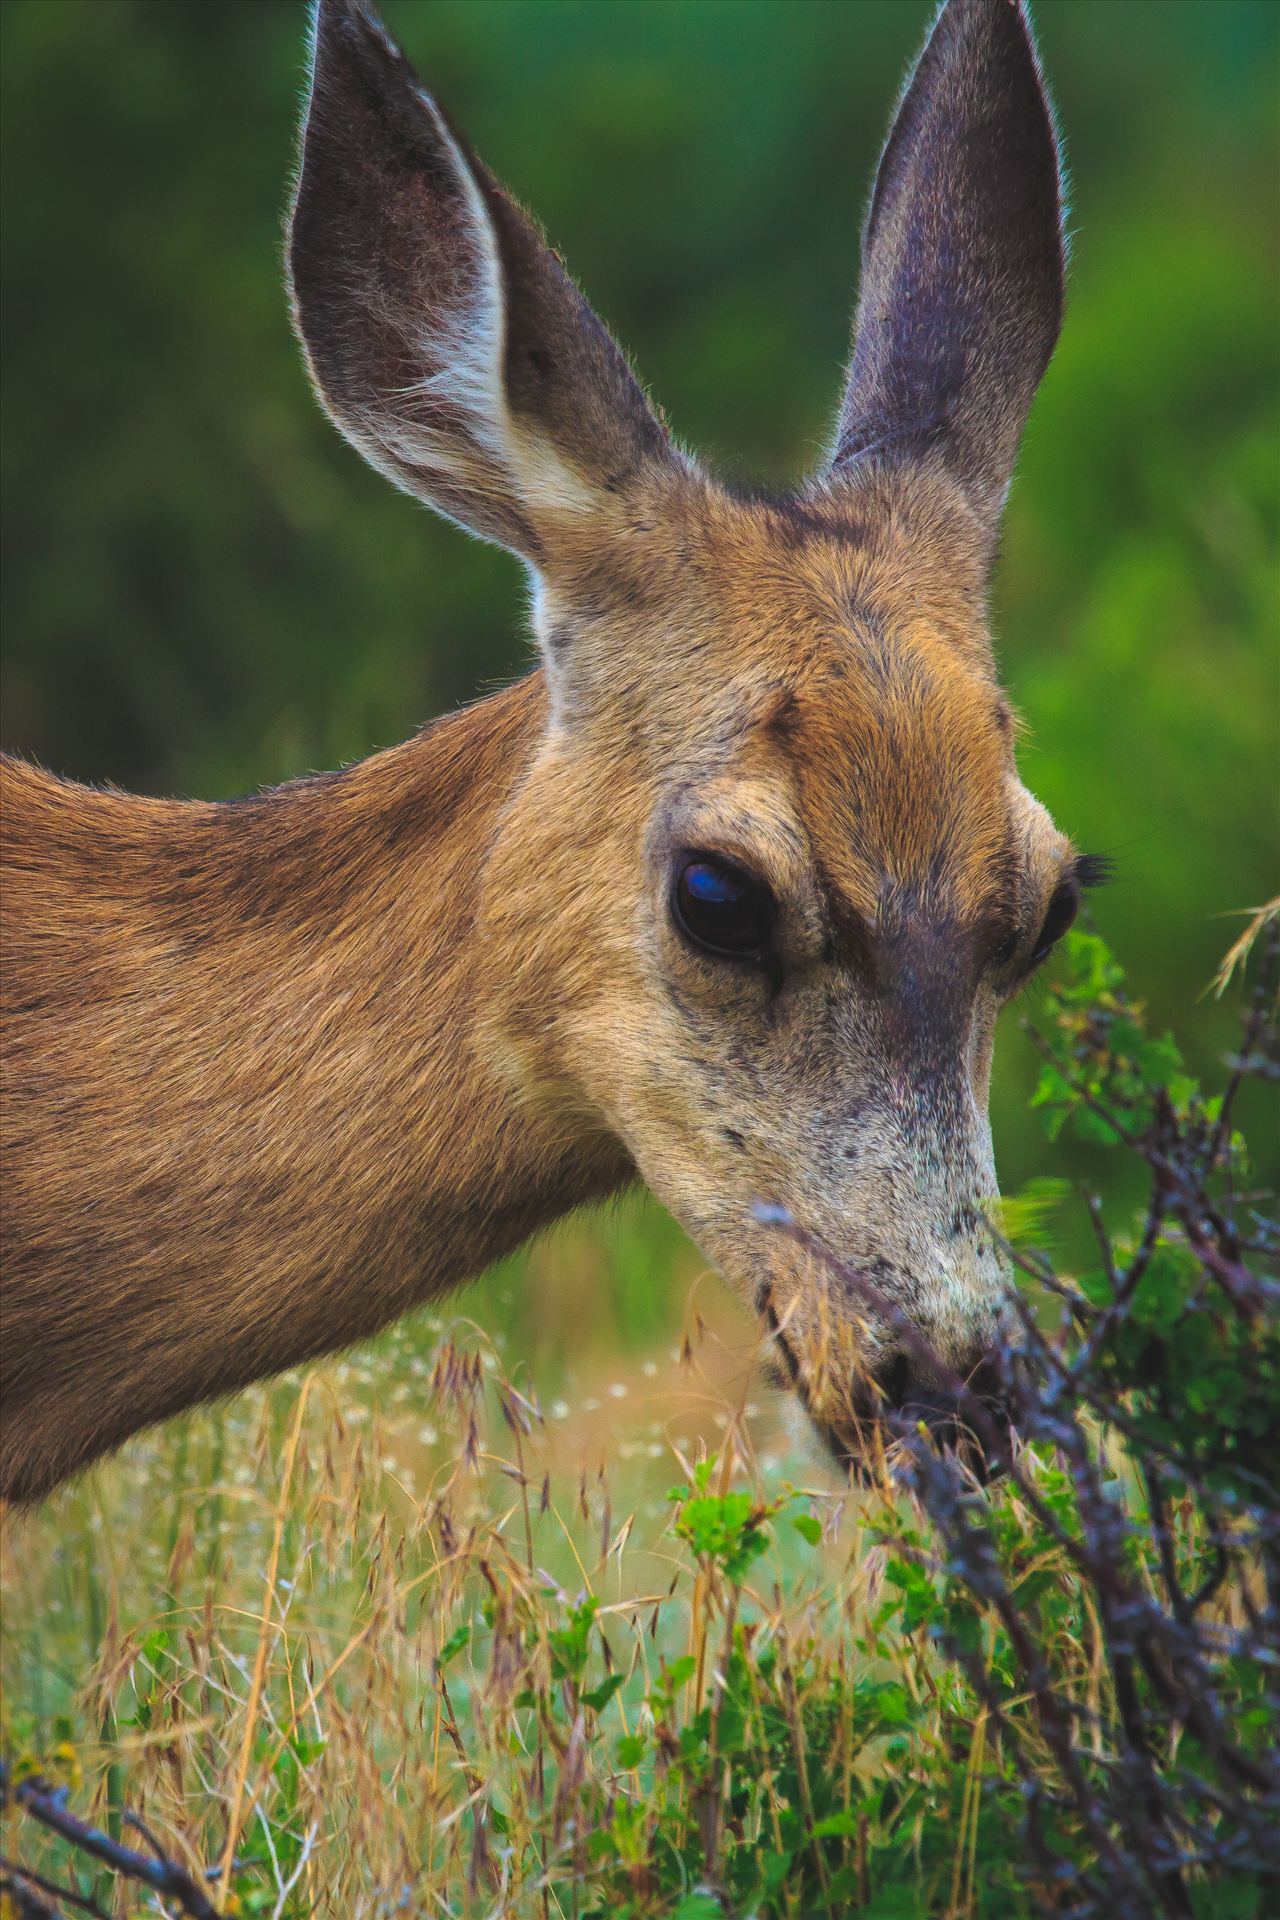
(442,334)
(960,301)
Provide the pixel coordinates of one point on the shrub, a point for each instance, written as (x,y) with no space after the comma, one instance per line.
(1114,1608)
(1054,1694)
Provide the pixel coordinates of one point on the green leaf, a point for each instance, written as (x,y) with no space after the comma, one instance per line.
(893,1903)
(699,1906)
(774,1867)
(835,1826)
(842,1892)
(599,1697)
(454,1644)
(1023,1219)
(569,1644)
(1237,1898)
(1091,1126)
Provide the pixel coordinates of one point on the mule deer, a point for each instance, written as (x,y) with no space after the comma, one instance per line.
(725,896)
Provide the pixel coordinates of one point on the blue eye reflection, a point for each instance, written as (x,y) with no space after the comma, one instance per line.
(723,909)
(716,885)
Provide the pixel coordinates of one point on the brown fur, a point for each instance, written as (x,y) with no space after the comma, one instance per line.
(277,1070)
(239,1046)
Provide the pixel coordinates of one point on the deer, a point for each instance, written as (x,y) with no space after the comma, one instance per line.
(724,896)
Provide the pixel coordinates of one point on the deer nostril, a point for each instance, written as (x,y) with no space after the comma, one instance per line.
(974,1425)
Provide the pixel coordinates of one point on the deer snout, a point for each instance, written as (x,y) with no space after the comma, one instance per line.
(969,1419)
(876,1349)
(873,1404)
(966,1414)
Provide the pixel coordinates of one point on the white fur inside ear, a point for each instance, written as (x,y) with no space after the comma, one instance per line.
(466,346)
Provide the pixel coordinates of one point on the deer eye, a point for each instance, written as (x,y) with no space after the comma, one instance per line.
(1063,908)
(722,908)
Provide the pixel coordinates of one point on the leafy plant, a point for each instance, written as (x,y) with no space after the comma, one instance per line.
(1138,1532)
(929,1699)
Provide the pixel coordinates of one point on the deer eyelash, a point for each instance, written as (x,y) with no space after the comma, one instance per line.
(1094,870)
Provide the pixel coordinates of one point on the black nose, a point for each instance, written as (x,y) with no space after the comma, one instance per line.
(972,1423)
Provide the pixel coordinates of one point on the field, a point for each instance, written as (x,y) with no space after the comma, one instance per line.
(349,1524)
(422,1632)
(392,1637)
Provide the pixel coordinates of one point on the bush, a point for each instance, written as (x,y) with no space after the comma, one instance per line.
(1114,1608)
(1056,1694)
(1103,1737)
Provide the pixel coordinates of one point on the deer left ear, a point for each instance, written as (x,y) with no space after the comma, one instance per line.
(442,333)
(963,257)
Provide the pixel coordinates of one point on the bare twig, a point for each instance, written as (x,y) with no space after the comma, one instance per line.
(46,1804)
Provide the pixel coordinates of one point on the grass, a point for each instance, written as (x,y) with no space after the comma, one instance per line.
(388,1638)
(308,1616)
(365,1673)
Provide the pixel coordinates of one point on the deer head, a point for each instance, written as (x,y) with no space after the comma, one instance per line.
(771,873)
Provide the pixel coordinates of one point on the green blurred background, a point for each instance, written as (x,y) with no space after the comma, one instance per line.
(205,590)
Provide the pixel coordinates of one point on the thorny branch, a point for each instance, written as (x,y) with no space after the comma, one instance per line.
(1155,1819)
(46,1803)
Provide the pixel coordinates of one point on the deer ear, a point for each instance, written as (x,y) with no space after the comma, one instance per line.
(961,295)
(442,333)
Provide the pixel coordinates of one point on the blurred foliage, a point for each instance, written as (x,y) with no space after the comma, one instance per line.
(494,1679)
(204,590)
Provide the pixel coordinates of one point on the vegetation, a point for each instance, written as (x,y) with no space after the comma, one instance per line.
(205,590)
(359,1633)
(500,1685)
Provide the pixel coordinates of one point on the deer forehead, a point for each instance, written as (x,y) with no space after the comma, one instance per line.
(685,576)
(797,701)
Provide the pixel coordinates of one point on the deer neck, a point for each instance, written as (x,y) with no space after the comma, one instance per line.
(278,1125)
(431,1160)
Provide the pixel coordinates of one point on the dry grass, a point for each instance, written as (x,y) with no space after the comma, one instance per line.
(330,1644)
(236,1629)
(385,1639)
